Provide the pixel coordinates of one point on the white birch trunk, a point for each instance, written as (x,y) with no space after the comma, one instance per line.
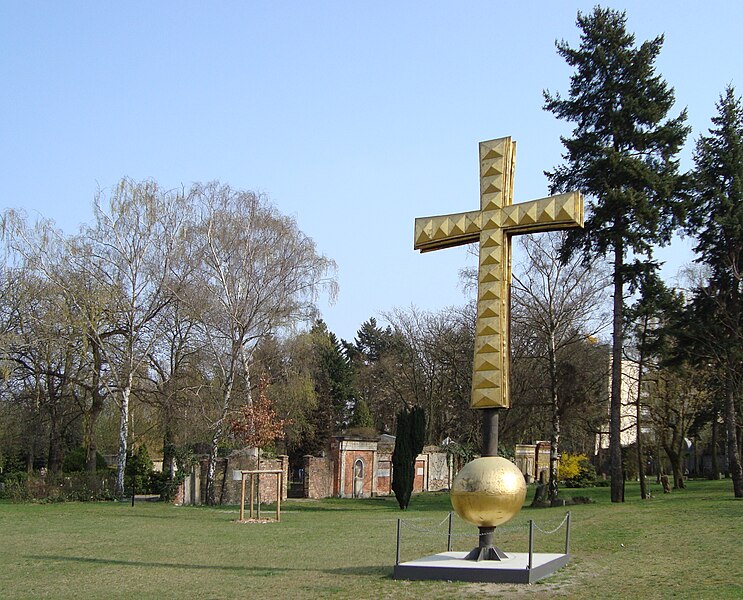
(123,436)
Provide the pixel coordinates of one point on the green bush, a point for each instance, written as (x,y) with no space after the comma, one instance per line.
(15,487)
(225,448)
(80,487)
(74,462)
(362,418)
(162,484)
(582,500)
(138,472)
(76,487)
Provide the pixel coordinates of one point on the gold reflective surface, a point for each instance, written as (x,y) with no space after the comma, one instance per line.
(493,225)
(488,491)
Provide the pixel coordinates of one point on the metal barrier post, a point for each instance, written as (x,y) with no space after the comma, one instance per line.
(567,535)
(397,552)
(531,543)
(448,541)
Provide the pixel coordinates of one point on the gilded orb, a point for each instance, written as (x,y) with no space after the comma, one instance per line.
(488,491)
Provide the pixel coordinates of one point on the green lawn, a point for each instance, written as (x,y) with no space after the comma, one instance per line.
(688,544)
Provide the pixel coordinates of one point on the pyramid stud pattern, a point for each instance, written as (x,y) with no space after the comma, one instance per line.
(492,226)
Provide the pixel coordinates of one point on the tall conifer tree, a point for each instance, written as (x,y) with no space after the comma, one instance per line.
(716,220)
(622,155)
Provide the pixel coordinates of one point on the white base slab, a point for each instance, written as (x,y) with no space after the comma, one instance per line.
(451,566)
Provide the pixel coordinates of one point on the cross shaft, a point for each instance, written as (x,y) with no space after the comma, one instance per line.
(493,225)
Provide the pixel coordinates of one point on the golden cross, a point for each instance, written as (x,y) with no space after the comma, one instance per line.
(493,225)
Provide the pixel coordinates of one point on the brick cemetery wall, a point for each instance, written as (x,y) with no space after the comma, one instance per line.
(542,466)
(318,477)
(438,472)
(189,491)
(419,483)
(338,473)
(525,457)
(384,474)
(227,483)
(358,473)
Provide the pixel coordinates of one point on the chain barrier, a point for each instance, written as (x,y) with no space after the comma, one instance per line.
(423,529)
(411,527)
(436,529)
(551,531)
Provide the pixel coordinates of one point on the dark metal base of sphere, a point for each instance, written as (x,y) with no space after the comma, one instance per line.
(486,550)
(487,553)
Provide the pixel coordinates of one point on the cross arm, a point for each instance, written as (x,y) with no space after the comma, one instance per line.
(563,211)
(447,231)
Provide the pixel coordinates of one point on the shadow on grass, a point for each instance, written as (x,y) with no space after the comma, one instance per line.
(137,563)
(144,515)
(371,571)
(434,501)
(381,572)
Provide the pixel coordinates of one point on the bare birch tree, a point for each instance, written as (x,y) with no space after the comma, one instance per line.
(121,279)
(257,272)
(133,245)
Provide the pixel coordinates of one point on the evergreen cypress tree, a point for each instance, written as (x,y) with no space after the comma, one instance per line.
(362,418)
(716,220)
(410,436)
(622,155)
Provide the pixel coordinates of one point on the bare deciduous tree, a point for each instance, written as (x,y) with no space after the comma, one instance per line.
(257,272)
(121,268)
(432,369)
(560,304)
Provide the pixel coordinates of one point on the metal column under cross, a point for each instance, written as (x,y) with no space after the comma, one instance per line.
(493,225)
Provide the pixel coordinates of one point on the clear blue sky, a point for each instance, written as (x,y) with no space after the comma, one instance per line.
(353,117)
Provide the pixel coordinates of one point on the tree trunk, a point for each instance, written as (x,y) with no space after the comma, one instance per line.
(678,476)
(554,456)
(168,447)
(732,441)
(212,465)
(216,438)
(89,421)
(123,436)
(247,358)
(54,457)
(714,442)
(555,434)
(640,457)
(615,408)
(95,410)
(31,433)
(660,469)
(641,461)
(674,454)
